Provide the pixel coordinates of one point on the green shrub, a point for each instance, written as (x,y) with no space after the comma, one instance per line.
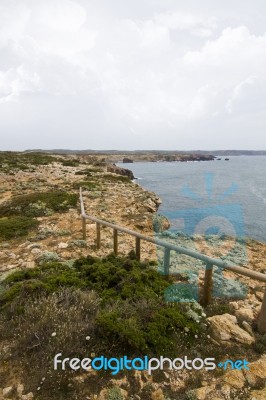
(47,278)
(133,312)
(48,257)
(16,226)
(88,171)
(22,161)
(114,394)
(79,243)
(39,204)
(218,307)
(87,185)
(70,163)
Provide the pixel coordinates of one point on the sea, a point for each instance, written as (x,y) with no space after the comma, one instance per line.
(220,197)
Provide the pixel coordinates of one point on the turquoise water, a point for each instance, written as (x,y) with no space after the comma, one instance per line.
(214,197)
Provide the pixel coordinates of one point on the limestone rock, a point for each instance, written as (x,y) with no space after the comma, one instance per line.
(259,295)
(7,391)
(30,264)
(258,394)
(36,250)
(28,396)
(224,328)
(245,314)
(201,393)
(157,395)
(247,327)
(20,389)
(256,375)
(234,378)
(62,245)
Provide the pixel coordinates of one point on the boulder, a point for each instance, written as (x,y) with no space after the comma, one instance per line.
(224,329)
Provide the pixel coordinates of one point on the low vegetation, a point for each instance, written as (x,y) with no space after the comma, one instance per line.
(70,163)
(16,226)
(12,161)
(87,185)
(117,302)
(133,312)
(39,204)
(116,178)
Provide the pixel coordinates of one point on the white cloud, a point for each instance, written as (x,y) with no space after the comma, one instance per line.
(60,15)
(248,97)
(16,81)
(235,48)
(187,21)
(13,21)
(143,69)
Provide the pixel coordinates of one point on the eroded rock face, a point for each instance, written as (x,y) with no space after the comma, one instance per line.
(120,171)
(225,329)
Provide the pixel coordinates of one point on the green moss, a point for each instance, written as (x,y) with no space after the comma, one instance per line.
(39,204)
(16,226)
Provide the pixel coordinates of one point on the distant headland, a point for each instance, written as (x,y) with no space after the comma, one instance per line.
(129,156)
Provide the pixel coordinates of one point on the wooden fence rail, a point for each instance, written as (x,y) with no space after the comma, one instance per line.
(208,261)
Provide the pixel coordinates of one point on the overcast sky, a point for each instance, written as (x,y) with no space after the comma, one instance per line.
(133,74)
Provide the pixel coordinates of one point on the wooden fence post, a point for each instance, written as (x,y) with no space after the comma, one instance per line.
(207,289)
(262,316)
(166,261)
(115,242)
(98,231)
(138,248)
(84,234)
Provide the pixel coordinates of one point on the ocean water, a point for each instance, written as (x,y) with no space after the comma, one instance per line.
(210,197)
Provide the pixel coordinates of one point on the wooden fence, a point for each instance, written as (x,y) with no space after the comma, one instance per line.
(208,261)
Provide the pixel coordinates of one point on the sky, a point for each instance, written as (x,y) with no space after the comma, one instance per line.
(142,74)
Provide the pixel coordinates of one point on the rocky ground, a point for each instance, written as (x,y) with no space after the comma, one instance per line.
(105,196)
(115,198)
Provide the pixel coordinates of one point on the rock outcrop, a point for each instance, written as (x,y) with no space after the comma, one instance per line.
(120,171)
(127,160)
